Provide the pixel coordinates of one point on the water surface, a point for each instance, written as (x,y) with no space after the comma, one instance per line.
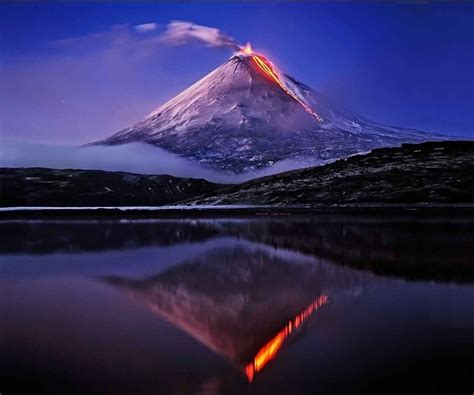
(330,304)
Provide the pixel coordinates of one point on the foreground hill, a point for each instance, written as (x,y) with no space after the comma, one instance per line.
(50,187)
(434,172)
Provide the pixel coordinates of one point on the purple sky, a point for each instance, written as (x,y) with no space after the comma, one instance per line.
(75,73)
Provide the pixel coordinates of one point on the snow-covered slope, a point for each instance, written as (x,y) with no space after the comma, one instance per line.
(239,119)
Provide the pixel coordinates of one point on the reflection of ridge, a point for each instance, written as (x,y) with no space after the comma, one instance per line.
(413,247)
(269,350)
(40,237)
(234,299)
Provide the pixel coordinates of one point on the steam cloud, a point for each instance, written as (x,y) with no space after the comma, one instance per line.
(182,32)
(135,158)
(146,27)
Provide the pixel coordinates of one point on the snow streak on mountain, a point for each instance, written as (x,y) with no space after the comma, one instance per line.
(247,115)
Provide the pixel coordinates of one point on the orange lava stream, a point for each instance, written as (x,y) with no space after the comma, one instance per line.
(269,350)
(268,70)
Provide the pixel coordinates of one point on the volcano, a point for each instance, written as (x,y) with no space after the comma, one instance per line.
(247,115)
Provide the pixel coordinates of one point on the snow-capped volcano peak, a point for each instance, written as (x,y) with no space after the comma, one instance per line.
(247,114)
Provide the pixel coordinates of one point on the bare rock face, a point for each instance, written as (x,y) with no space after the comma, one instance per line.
(237,119)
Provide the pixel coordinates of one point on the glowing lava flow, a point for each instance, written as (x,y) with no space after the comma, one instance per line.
(264,65)
(269,350)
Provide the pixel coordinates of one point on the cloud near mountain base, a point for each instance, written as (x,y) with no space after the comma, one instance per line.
(134,158)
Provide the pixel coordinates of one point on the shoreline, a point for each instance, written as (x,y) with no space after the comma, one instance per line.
(171,211)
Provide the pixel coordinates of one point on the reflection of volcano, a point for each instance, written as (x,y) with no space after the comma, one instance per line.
(239,301)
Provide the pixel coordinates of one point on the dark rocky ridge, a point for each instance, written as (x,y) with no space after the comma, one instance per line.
(433,172)
(68,187)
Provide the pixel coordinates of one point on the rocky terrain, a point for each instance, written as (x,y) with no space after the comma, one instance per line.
(434,172)
(50,187)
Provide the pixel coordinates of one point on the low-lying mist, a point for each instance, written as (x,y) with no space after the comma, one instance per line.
(134,158)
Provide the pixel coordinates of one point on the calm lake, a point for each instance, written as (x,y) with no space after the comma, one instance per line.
(329,304)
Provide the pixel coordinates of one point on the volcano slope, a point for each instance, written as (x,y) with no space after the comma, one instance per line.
(434,172)
(240,118)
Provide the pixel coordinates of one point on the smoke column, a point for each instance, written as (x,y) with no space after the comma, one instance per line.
(182,32)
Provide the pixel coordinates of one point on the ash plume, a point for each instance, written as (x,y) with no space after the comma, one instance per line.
(182,32)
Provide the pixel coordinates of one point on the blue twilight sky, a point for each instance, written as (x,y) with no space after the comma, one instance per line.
(76,72)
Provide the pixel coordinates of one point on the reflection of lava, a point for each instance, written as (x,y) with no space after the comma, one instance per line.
(264,65)
(269,350)
(236,299)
